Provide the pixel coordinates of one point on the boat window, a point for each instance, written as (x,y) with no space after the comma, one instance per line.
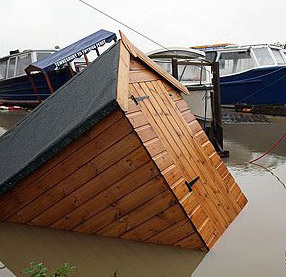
(191,73)
(23,62)
(211,56)
(3,68)
(234,62)
(12,66)
(263,56)
(185,72)
(278,56)
(166,65)
(42,55)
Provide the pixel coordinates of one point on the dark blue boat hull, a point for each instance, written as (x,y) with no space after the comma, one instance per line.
(258,86)
(19,91)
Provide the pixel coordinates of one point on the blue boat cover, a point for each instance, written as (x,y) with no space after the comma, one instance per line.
(75,50)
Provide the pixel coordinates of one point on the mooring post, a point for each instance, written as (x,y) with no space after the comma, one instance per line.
(217,118)
(175,68)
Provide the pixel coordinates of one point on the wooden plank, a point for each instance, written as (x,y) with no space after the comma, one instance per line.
(123,77)
(174,233)
(208,148)
(182,105)
(198,216)
(171,174)
(70,149)
(132,107)
(163,160)
(222,169)
(195,126)
(69,165)
(180,189)
(201,137)
(215,159)
(110,195)
(208,231)
(137,119)
(242,201)
(146,133)
(190,204)
(139,215)
(136,65)
(142,75)
(188,116)
(122,207)
(159,222)
(192,241)
(116,171)
(235,191)
(154,146)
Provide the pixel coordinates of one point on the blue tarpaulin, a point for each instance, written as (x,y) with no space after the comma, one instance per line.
(75,50)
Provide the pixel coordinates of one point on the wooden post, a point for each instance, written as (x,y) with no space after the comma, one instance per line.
(217,118)
(48,82)
(86,59)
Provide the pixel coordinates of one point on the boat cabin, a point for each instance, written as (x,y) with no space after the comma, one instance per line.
(14,65)
(235,59)
(190,69)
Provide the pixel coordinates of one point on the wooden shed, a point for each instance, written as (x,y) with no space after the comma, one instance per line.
(116,152)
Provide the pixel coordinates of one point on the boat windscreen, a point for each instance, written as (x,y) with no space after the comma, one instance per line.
(235,62)
(263,56)
(278,56)
(3,69)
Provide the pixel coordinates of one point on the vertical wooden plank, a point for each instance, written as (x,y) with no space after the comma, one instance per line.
(123,77)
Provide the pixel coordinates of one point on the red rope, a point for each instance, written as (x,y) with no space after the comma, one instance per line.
(272,148)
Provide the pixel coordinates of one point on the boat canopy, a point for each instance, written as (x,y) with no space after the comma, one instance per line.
(75,50)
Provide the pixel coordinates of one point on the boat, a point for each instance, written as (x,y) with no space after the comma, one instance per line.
(29,77)
(250,75)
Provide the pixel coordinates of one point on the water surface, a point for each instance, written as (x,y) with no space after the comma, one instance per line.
(255,243)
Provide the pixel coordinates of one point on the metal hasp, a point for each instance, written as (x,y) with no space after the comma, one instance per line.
(190,184)
(138,99)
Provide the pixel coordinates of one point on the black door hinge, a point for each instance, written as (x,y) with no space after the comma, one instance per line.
(138,99)
(190,184)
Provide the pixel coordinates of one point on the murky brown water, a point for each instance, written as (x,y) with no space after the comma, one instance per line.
(255,244)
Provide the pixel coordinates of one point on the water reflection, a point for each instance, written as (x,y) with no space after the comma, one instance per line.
(9,119)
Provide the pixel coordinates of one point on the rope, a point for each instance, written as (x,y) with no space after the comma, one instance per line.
(271,148)
(123,24)
(279,180)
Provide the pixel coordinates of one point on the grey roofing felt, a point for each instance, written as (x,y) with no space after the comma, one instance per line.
(64,116)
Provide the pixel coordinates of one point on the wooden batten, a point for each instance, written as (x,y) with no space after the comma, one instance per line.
(146,171)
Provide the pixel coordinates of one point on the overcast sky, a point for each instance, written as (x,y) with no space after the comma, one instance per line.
(43,24)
